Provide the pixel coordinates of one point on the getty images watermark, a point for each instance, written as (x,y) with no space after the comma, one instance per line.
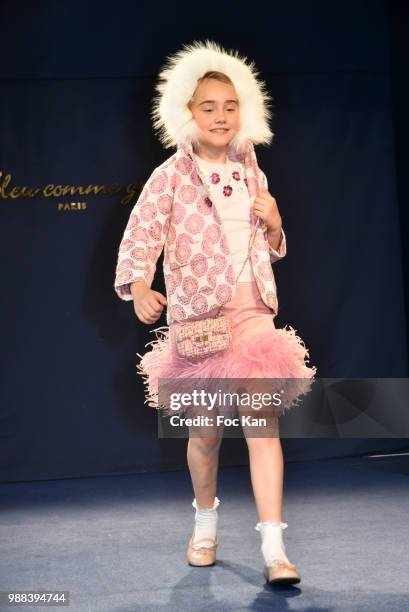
(219,402)
(211,406)
(322,408)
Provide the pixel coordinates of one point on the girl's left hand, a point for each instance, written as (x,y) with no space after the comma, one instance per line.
(265,207)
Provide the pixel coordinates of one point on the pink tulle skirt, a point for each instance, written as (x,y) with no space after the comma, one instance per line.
(258,350)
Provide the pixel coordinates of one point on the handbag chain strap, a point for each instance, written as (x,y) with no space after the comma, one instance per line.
(252,237)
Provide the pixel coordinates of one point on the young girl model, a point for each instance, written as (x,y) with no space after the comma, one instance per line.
(201,206)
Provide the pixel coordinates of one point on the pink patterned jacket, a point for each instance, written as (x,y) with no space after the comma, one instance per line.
(174,212)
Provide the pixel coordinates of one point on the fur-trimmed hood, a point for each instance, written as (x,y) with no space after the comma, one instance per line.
(178,80)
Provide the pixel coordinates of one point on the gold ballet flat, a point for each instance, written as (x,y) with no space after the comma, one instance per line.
(201,556)
(282,573)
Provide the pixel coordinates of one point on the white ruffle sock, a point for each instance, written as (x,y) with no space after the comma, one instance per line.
(272,545)
(206,523)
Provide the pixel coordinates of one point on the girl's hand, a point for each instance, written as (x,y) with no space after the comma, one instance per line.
(265,207)
(148,304)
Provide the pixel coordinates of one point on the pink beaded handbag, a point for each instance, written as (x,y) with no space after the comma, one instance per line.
(204,337)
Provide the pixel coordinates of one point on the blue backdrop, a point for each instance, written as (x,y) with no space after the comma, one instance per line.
(77,82)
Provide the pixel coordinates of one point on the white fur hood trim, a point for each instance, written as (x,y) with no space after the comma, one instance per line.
(178,80)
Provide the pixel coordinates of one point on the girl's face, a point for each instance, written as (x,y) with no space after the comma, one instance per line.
(215,109)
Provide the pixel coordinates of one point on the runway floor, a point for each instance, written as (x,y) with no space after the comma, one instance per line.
(118,544)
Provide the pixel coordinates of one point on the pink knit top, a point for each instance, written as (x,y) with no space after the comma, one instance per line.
(230,196)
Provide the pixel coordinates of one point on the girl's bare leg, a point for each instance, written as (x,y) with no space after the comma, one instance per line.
(203,462)
(267,474)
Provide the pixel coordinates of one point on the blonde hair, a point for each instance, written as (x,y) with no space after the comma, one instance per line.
(211,74)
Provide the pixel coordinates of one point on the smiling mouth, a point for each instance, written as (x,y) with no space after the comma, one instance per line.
(220,130)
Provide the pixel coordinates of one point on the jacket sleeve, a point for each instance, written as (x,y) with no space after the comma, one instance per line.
(145,234)
(281,250)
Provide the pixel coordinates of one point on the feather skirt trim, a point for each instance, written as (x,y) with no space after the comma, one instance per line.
(277,354)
